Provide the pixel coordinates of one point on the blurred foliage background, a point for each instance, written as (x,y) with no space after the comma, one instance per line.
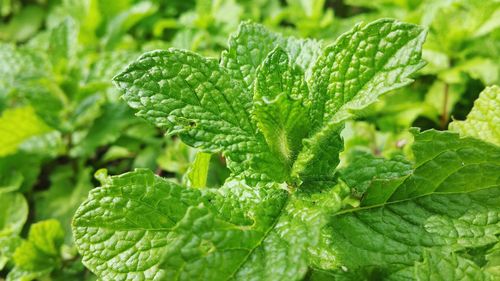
(63,126)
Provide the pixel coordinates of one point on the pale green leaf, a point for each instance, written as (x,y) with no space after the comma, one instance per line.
(483,122)
(38,255)
(18,125)
(196,175)
(13,213)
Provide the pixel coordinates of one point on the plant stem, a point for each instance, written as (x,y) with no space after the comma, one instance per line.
(444,115)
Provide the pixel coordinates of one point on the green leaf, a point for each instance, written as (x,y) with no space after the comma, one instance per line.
(38,255)
(18,125)
(196,175)
(8,245)
(120,24)
(169,231)
(10,181)
(252,43)
(28,77)
(464,165)
(375,177)
(60,202)
(106,129)
(62,44)
(13,213)
(482,121)
(27,165)
(448,266)
(195,98)
(22,25)
(273,218)
(21,64)
(492,257)
(279,105)
(361,65)
(448,203)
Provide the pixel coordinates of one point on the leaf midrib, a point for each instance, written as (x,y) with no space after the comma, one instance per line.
(410,199)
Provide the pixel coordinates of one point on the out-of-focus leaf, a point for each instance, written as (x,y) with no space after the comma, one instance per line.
(40,254)
(18,125)
(483,122)
(67,191)
(13,213)
(23,25)
(105,129)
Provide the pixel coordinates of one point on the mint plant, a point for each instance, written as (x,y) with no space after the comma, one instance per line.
(275,108)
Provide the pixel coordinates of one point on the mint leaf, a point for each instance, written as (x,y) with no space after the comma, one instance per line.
(19,166)
(21,64)
(361,65)
(377,175)
(195,98)
(62,45)
(39,255)
(460,163)
(13,213)
(259,108)
(442,205)
(13,216)
(252,43)
(169,230)
(60,202)
(10,181)
(440,266)
(493,260)
(196,175)
(18,125)
(482,121)
(280,105)
(106,129)
(8,245)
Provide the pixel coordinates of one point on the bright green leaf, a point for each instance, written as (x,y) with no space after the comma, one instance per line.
(18,125)
(38,255)
(196,175)
(13,213)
